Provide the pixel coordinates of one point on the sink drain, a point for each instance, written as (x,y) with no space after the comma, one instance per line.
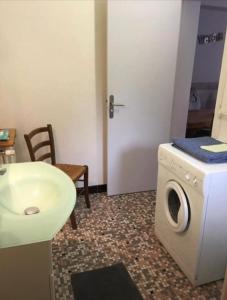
(31,210)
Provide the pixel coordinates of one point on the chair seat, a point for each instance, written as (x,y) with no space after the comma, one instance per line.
(73,171)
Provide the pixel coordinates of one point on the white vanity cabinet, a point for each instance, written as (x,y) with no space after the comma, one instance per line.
(25,240)
(26,272)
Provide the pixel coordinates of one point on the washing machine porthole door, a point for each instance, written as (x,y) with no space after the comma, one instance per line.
(176,206)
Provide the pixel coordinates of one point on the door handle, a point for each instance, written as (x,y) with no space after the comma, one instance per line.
(111,106)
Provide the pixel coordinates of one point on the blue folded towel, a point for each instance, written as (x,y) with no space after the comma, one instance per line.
(192,147)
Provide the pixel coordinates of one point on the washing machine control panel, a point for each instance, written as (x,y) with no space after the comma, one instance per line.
(181,170)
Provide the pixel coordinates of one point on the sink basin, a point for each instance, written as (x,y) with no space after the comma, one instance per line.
(42,193)
(33,185)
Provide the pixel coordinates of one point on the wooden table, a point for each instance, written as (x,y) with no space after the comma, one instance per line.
(11,141)
(199,119)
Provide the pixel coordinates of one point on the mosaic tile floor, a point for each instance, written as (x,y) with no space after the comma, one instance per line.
(121,228)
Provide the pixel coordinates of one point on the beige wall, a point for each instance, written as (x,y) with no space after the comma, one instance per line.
(219,130)
(53,70)
(101,88)
(47,75)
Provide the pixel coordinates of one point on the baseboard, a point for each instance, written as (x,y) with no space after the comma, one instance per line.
(101,188)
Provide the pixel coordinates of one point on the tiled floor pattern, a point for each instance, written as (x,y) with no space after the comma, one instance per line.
(121,228)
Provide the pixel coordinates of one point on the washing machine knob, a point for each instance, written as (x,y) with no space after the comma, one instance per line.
(195,181)
(187,176)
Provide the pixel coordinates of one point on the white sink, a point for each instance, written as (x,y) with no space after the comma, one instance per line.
(39,185)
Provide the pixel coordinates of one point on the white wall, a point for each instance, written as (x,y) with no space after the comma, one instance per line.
(186,54)
(47,75)
(53,70)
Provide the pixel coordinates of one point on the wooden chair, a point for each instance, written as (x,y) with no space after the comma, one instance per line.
(75,172)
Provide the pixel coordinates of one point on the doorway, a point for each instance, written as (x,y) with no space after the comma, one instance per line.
(206,70)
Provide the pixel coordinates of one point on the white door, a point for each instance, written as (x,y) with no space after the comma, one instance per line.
(142,52)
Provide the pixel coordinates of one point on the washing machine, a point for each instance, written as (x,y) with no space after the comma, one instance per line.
(191,213)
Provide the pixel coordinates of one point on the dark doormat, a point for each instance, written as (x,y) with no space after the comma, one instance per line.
(110,283)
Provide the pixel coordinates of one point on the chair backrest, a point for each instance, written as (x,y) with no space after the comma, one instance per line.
(35,145)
